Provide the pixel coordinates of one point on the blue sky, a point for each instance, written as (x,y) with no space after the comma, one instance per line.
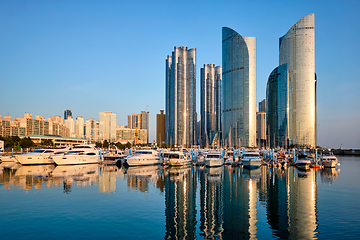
(93,56)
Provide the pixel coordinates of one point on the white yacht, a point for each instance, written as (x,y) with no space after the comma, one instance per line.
(80,154)
(303,162)
(177,158)
(213,159)
(39,156)
(251,159)
(143,157)
(328,159)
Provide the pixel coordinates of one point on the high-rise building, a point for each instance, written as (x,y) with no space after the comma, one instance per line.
(180,97)
(160,127)
(67,113)
(239,89)
(79,127)
(139,121)
(261,129)
(107,126)
(291,88)
(262,106)
(210,104)
(70,124)
(92,130)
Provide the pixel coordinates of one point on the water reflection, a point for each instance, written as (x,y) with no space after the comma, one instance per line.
(180,206)
(139,178)
(229,201)
(328,175)
(215,203)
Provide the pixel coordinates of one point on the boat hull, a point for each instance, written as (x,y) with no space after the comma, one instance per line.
(76,159)
(251,163)
(142,161)
(26,159)
(214,162)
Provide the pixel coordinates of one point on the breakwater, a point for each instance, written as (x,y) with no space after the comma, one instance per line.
(355,152)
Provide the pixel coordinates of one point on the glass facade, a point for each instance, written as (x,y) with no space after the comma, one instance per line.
(239,89)
(210,101)
(297,51)
(277,94)
(181,97)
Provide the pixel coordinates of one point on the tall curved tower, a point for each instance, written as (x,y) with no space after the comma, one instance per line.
(239,88)
(180,97)
(297,53)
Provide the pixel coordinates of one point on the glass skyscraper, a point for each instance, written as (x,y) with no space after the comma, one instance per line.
(181,97)
(239,89)
(291,90)
(211,104)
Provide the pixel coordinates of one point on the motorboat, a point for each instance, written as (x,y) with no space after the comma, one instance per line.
(213,159)
(177,159)
(303,161)
(142,158)
(328,159)
(113,156)
(10,158)
(80,154)
(251,159)
(40,156)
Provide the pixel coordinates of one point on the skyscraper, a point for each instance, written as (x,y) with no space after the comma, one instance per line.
(210,104)
(67,113)
(107,126)
(160,127)
(180,97)
(291,90)
(139,121)
(239,89)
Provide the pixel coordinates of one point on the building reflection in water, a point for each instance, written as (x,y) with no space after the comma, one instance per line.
(180,205)
(211,203)
(291,203)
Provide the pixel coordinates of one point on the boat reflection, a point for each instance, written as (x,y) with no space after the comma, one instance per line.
(328,175)
(139,177)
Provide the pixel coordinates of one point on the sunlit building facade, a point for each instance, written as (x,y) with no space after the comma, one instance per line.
(294,121)
(210,104)
(180,97)
(239,89)
(107,126)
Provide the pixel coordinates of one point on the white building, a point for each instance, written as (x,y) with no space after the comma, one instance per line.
(107,126)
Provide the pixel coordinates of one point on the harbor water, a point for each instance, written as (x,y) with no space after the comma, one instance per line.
(153,202)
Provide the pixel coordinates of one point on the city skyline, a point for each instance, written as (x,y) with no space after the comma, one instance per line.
(85,57)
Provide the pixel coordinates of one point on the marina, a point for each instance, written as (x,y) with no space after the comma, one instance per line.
(188,202)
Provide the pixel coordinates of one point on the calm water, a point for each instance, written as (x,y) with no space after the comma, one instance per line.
(97,202)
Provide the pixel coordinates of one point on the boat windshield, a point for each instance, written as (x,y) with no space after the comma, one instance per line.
(74,152)
(251,155)
(143,152)
(81,146)
(213,156)
(173,155)
(38,151)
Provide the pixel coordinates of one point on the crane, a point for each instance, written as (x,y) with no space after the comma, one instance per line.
(137,126)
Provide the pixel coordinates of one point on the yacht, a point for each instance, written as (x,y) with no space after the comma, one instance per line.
(251,159)
(142,158)
(39,156)
(328,159)
(80,154)
(177,159)
(213,159)
(303,162)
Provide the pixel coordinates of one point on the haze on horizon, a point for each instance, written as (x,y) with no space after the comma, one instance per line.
(110,56)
